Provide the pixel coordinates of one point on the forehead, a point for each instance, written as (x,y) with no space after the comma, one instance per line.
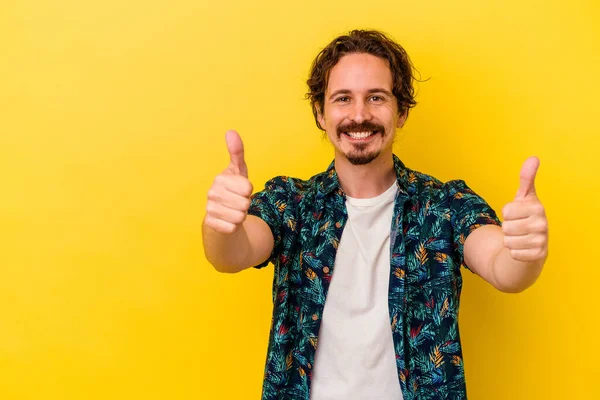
(360,72)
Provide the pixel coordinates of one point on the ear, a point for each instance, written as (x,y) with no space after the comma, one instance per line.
(402,119)
(320,117)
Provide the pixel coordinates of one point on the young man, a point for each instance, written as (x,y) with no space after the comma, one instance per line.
(367,254)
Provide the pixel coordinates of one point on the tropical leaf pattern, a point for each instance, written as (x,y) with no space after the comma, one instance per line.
(430,224)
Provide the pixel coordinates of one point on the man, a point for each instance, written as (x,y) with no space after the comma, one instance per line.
(367,254)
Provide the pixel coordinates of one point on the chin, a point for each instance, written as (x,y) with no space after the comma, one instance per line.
(361,158)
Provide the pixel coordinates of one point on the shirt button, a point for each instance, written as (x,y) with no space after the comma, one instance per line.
(315,317)
(326,270)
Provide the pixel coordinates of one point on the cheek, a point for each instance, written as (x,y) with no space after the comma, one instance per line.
(335,115)
(331,125)
(389,113)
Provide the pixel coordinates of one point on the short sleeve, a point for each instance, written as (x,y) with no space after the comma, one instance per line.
(469,211)
(269,205)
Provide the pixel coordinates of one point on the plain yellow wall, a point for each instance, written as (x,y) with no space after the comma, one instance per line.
(113,116)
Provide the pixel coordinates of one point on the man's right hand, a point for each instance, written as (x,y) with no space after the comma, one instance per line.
(229,195)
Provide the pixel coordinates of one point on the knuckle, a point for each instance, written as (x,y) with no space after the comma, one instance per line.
(539,241)
(210,223)
(246,204)
(246,188)
(239,217)
(535,226)
(538,209)
(224,179)
(228,228)
(220,182)
(213,193)
(219,179)
(210,208)
(219,225)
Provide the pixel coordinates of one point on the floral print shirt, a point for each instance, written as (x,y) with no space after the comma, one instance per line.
(430,223)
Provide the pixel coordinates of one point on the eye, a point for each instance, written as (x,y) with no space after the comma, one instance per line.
(342,99)
(377,98)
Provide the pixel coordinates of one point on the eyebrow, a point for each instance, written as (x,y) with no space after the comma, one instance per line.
(370,91)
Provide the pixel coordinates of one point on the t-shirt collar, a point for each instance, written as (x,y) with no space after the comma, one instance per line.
(330,182)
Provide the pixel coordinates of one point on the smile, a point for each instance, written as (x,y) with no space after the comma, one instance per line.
(360,135)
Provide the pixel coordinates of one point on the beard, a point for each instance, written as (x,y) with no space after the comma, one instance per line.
(360,155)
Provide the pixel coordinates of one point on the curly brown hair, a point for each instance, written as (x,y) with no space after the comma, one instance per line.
(362,41)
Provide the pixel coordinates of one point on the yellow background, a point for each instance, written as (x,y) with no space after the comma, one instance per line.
(112,127)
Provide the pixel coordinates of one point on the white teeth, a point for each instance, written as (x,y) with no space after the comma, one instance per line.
(359,135)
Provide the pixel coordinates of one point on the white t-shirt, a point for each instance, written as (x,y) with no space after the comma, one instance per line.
(355,356)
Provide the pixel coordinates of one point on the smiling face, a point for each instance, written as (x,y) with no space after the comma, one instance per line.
(360,113)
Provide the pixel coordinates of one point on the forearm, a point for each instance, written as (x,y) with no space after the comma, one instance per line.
(487,254)
(511,257)
(234,240)
(227,252)
(513,276)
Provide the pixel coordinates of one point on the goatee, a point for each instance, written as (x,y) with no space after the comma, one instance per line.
(359,155)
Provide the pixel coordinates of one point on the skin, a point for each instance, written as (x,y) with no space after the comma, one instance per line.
(359,99)
(234,240)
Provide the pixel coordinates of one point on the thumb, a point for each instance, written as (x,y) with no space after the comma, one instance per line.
(236,152)
(528,172)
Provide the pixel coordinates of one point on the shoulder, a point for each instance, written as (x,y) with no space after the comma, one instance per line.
(427,186)
(287,192)
(295,186)
(420,184)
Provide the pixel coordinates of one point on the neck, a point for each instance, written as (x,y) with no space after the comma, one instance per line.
(366,181)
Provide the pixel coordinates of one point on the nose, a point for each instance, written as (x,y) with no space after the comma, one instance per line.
(360,112)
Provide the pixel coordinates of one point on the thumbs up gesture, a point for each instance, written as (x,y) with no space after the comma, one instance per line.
(229,195)
(525,224)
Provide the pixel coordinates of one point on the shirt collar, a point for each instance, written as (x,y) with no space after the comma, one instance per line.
(405,181)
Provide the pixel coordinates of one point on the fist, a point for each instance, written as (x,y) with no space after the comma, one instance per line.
(229,195)
(525,224)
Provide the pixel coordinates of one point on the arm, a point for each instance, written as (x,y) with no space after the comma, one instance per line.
(250,245)
(512,257)
(234,240)
(487,256)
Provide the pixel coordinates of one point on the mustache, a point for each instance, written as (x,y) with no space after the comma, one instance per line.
(365,126)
